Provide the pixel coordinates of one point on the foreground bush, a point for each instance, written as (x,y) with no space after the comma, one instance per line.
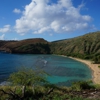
(41,93)
(26,79)
(82,85)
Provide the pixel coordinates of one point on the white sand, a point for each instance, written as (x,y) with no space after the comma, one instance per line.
(94,67)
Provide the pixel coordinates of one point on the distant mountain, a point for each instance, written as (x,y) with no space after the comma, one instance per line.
(28,46)
(86,46)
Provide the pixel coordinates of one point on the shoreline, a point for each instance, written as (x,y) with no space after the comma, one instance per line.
(94,67)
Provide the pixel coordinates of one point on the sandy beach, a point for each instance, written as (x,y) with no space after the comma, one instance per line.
(93,67)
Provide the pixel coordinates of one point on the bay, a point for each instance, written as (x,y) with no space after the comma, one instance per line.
(63,71)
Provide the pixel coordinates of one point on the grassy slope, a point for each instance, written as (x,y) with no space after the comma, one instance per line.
(85,46)
(78,91)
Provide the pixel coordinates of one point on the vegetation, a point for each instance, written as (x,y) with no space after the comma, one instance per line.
(96,59)
(85,47)
(29,84)
(26,79)
(46,92)
(99,66)
(28,46)
(82,85)
(38,48)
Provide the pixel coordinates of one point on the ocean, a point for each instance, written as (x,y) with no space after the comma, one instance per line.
(62,71)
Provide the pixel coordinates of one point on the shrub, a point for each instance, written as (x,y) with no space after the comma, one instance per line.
(81,85)
(25,81)
(99,66)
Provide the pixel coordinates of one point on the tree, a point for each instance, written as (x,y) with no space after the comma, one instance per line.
(27,77)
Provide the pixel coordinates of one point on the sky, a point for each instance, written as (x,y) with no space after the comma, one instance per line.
(48,19)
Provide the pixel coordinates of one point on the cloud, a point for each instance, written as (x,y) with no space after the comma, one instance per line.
(5,29)
(50,34)
(14,39)
(17,11)
(40,16)
(2,37)
(41,30)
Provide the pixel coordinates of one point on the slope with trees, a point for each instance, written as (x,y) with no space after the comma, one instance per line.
(86,46)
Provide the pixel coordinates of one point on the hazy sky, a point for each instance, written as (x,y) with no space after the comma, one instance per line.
(48,19)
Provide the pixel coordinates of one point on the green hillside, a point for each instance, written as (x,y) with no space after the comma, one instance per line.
(86,46)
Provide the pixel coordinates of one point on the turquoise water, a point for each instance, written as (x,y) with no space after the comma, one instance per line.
(62,70)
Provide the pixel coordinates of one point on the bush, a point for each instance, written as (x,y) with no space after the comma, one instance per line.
(99,66)
(25,82)
(81,85)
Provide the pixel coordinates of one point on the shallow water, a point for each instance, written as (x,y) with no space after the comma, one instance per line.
(62,70)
